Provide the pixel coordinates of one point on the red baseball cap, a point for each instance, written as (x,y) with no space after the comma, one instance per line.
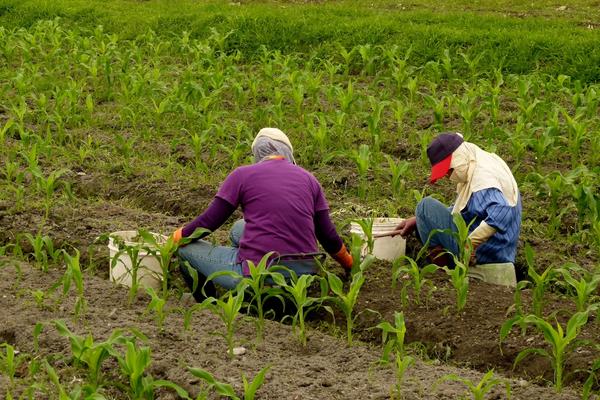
(440,152)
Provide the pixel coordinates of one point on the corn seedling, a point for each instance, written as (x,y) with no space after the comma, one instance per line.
(401,364)
(225,389)
(366,224)
(540,282)
(459,274)
(75,394)
(584,287)
(347,301)
(362,159)
(141,385)
(255,283)
(406,266)
(392,337)
(460,282)
(163,251)
(187,314)
(90,354)
(590,381)
(39,296)
(74,275)
(10,361)
(479,390)
(398,171)
(297,291)
(227,310)
(37,331)
(136,262)
(561,341)
(157,306)
(39,251)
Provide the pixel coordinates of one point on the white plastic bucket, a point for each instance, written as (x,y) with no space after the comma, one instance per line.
(384,248)
(149,273)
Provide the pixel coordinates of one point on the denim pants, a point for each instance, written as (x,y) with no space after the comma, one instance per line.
(432,214)
(207,259)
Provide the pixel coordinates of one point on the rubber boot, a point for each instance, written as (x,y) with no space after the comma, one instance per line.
(438,256)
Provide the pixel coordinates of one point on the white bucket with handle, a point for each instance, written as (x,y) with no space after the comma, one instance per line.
(384,247)
(149,273)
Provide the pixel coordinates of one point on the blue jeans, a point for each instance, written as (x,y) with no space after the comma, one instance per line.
(207,259)
(432,214)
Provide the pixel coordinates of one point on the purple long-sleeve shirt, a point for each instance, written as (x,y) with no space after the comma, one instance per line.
(284,208)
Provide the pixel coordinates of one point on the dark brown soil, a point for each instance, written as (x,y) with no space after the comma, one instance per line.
(324,369)
(468,339)
(471,337)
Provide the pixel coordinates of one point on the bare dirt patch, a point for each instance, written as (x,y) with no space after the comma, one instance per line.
(325,369)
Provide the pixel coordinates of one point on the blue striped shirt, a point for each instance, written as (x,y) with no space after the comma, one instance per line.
(490,205)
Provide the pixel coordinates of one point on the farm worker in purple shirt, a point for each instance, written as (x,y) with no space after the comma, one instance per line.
(284,209)
(487,196)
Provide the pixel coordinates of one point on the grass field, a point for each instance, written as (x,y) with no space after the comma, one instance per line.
(129,114)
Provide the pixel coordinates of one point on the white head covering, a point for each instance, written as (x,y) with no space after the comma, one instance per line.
(475,169)
(272,141)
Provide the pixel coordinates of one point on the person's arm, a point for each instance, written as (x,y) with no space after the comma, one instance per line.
(211,219)
(223,205)
(330,240)
(491,206)
(325,230)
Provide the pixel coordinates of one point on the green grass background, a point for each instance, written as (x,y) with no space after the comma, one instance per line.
(518,36)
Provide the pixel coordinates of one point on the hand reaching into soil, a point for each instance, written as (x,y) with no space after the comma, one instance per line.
(405,227)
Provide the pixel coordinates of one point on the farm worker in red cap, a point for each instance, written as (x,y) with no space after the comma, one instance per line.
(285,212)
(487,195)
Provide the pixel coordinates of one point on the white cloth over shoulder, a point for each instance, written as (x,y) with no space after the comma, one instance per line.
(475,169)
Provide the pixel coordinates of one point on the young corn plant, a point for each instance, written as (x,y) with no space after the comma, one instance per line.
(39,250)
(347,301)
(459,275)
(187,314)
(480,389)
(297,291)
(406,266)
(561,342)
(584,287)
(540,282)
(227,310)
(225,389)
(256,284)
(132,252)
(156,306)
(74,275)
(76,394)
(362,159)
(401,365)
(398,172)
(142,385)
(10,362)
(392,337)
(164,252)
(590,381)
(90,354)
(366,224)
(393,341)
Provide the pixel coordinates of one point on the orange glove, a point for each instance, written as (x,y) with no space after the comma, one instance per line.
(177,235)
(344,258)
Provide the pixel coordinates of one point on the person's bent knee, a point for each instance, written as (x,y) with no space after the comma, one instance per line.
(182,252)
(425,206)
